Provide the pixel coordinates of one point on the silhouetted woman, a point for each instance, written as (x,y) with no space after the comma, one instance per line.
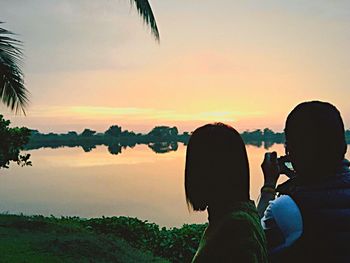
(217,180)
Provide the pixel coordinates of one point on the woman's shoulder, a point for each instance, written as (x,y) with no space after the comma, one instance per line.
(236,237)
(241,223)
(240,235)
(246,214)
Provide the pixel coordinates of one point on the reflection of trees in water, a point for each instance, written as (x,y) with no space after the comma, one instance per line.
(163,147)
(268,144)
(129,144)
(115,149)
(116,145)
(255,143)
(88,147)
(161,139)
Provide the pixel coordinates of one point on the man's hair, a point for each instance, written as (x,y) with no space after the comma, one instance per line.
(315,138)
(217,169)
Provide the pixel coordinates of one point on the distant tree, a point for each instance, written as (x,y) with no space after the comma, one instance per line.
(256,134)
(268,133)
(34,132)
(173,131)
(252,135)
(88,133)
(12,142)
(128,133)
(114,131)
(131,133)
(163,131)
(72,133)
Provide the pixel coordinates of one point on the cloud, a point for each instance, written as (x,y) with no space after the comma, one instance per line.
(141,114)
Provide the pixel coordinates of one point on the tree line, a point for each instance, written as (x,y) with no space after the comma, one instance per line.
(160,139)
(157,133)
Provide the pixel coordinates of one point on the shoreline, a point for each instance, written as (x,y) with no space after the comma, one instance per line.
(74,239)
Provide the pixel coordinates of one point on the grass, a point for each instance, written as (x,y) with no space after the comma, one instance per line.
(114,239)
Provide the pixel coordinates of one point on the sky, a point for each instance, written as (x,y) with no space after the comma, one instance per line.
(247,63)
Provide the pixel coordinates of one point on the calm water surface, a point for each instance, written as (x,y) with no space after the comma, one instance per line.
(137,183)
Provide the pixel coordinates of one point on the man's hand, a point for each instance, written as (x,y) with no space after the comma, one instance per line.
(270,169)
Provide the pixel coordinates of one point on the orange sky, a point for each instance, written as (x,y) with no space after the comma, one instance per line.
(248,63)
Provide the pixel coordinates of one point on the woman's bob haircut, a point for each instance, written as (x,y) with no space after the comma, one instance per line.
(217,169)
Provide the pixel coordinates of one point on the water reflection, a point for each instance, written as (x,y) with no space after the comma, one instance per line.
(117,147)
(136,182)
(163,147)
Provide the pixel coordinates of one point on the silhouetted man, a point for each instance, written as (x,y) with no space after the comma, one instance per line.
(310,220)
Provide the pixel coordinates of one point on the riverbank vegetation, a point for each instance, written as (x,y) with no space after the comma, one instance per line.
(11,143)
(160,139)
(114,239)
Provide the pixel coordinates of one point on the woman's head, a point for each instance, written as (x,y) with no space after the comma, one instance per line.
(217,169)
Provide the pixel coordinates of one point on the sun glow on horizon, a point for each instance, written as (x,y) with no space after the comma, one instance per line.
(249,65)
(155,114)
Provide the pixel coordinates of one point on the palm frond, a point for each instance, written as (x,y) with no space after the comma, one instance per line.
(145,11)
(12,90)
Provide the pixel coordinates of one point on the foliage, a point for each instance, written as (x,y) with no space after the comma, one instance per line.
(114,131)
(115,149)
(12,90)
(115,138)
(163,131)
(175,244)
(72,239)
(163,147)
(12,142)
(72,133)
(144,9)
(49,239)
(160,139)
(88,133)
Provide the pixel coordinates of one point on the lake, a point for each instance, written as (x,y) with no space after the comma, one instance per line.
(137,183)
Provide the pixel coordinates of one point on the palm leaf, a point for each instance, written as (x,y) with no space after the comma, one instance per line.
(12,90)
(145,11)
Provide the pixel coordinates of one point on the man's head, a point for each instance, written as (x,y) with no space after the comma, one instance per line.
(315,139)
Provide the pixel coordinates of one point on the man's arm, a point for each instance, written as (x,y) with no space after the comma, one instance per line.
(271,173)
(264,200)
(282,224)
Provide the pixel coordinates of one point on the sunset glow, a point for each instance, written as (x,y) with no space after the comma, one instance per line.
(248,65)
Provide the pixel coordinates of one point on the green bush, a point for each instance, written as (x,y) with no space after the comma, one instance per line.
(175,244)
(11,143)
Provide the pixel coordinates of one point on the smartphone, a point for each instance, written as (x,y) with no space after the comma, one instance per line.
(286,166)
